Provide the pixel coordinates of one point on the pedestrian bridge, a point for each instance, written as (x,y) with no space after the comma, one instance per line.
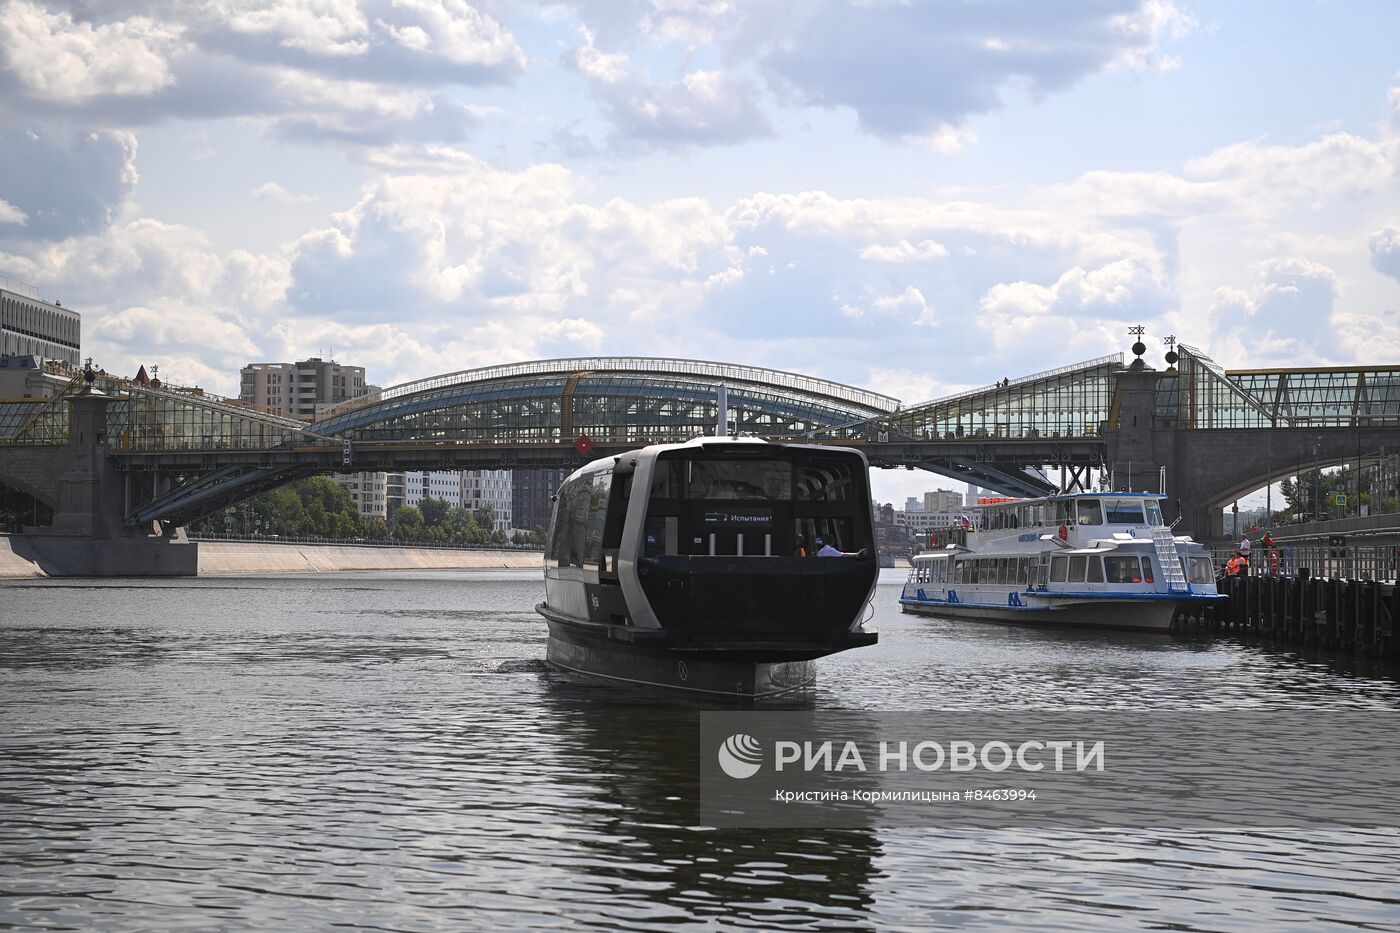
(183,452)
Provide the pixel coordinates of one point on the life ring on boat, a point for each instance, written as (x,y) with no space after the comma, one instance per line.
(1064,532)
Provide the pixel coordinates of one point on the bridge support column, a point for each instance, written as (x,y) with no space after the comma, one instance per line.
(89,537)
(1138,450)
(1133,457)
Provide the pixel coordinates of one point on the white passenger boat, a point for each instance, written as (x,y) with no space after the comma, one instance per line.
(1104,560)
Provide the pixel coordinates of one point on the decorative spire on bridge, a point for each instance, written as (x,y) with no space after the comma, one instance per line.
(1138,348)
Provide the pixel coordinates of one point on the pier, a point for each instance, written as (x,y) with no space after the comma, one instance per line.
(1356,616)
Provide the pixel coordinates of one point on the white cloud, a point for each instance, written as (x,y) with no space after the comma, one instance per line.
(1385,252)
(9,214)
(1286,314)
(452,31)
(699,108)
(271,191)
(904,251)
(1339,165)
(1113,289)
(320,27)
(61,60)
(64,182)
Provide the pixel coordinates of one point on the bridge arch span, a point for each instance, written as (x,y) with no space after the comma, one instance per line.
(614,401)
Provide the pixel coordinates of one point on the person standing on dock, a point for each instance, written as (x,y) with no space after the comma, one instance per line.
(1244,547)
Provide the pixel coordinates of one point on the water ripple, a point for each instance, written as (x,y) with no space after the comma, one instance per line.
(391,753)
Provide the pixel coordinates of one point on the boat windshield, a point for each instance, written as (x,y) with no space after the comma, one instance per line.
(1154,512)
(1124,511)
(792,504)
(1090,512)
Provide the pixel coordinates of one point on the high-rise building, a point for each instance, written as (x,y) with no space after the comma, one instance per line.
(532,497)
(941,500)
(445,485)
(302,388)
(470,489)
(911,504)
(489,487)
(30,327)
(368,492)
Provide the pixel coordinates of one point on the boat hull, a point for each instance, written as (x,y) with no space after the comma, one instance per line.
(1124,615)
(579,650)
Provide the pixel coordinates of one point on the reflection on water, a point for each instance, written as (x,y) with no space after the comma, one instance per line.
(389,751)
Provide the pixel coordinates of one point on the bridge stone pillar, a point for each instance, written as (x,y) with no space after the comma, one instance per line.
(1137,451)
(89,536)
(1133,453)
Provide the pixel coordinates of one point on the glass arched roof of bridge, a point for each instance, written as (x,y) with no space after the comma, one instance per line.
(612,400)
(1203,395)
(1070,402)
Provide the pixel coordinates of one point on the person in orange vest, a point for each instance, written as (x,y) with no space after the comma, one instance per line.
(1236,566)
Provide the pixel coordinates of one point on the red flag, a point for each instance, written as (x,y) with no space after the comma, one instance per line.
(584,445)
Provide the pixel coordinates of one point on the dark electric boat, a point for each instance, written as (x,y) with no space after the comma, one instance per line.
(694,565)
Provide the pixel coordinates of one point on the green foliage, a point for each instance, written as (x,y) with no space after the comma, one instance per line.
(433,511)
(319,507)
(316,507)
(407,524)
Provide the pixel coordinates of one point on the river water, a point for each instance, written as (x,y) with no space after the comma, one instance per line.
(389,752)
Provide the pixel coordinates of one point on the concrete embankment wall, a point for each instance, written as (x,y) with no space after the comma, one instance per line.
(226,558)
(222,558)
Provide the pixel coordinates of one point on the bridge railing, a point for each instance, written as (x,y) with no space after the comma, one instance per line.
(1364,562)
(1111,359)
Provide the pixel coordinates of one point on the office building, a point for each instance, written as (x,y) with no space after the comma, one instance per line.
(941,500)
(30,327)
(301,389)
(532,497)
(489,487)
(368,491)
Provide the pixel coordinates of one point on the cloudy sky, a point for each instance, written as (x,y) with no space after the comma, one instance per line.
(909,196)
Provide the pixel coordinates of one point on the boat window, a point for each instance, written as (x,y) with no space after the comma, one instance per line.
(1147,570)
(1121,569)
(1059,567)
(579,519)
(668,479)
(1154,512)
(1124,511)
(739,479)
(836,532)
(1201,570)
(823,480)
(1023,571)
(1095,570)
(1077,565)
(1090,512)
(1064,512)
